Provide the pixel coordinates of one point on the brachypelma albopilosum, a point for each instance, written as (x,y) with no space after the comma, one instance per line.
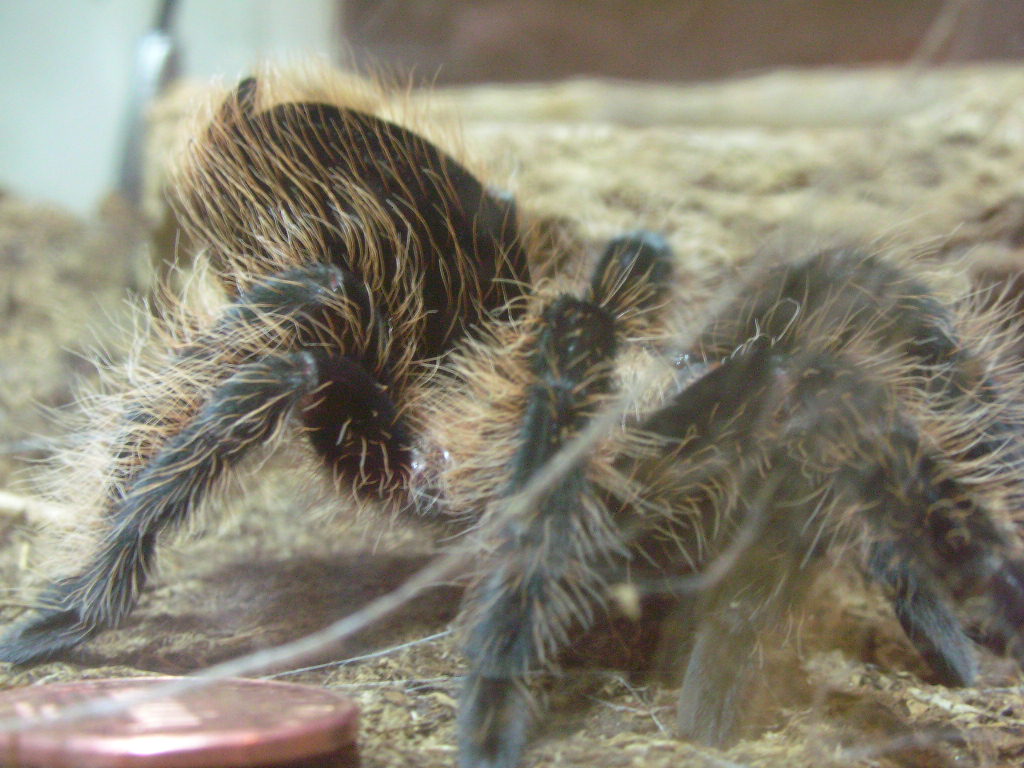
(380,302)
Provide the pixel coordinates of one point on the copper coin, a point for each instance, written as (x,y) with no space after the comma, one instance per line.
(228,724)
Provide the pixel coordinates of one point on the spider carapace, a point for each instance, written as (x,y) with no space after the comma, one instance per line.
(379,300)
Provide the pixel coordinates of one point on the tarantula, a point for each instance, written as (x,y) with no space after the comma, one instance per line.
(379,300)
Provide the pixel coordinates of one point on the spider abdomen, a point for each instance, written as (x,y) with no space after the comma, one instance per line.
(315,183)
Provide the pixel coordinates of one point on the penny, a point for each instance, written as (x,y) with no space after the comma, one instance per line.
(232,723)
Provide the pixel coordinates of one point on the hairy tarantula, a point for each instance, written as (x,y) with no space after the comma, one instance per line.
(380,300)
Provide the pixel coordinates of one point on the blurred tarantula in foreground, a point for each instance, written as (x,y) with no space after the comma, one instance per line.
(380,301)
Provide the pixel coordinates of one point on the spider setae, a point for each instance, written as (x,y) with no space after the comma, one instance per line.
(380,301)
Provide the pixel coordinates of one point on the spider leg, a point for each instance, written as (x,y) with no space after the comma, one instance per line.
(840,297)
(751,597)
(162,467)
(550,558)
(242,412)
(312,306)
(312,303)
(711,429)
(820,445)
(925,616)
(949,536)
(353,424)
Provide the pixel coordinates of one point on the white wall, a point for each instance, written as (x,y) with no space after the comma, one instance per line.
(66,71)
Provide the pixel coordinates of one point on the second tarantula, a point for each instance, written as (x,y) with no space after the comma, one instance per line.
(379,300)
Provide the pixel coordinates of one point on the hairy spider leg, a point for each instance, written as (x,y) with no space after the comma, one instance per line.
(808,438)
(243,411)
(156,485)
(710,431)
(550,557)
(853,294)
(925,616)
(301,307)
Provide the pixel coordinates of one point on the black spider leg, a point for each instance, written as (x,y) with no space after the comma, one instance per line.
(820,437)
(964,388)
(242,412)
(713,429)
(925,616)
(956,377)
(547,581)
(954,544)
(306,300)
(858,293)
(304,303)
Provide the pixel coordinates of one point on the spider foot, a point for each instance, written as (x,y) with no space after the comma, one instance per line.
(939,638)
(710,700)
(1007,592)
(927,619)
(54,629)
(494,720)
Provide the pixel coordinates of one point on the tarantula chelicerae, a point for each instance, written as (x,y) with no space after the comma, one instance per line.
(379,299)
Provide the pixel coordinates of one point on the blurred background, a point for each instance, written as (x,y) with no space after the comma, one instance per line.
(74,76)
